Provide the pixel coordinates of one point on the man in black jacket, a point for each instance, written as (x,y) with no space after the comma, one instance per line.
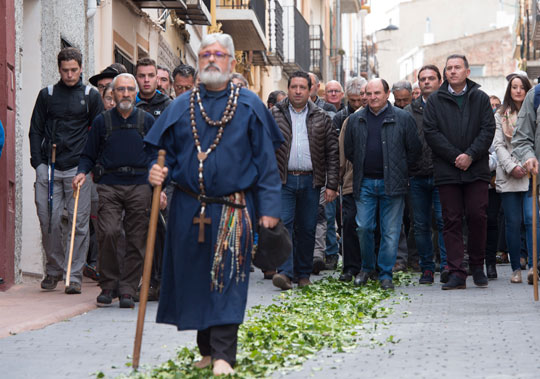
(115,145)
(62,115)
(459,127)
(149,99)
(423,194)
(381,142)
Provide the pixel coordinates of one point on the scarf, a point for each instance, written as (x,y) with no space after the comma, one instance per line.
(509,121)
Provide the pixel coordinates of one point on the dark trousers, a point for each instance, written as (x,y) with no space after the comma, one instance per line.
(352,260)
(135,201)
(470,200)
(493,209)
(219,342)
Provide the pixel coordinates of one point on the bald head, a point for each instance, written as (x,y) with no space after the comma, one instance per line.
(334,93)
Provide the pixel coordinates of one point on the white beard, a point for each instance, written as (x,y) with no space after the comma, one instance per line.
(125,105)
(214,78)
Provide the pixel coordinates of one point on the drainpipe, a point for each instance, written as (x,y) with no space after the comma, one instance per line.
(92,8)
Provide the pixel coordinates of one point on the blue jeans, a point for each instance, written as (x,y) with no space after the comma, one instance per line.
(517,208)
(371,197)
(299,203)
(425,198)
(331,239)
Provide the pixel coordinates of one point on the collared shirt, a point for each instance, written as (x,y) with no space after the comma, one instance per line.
(452,92)
(299,157)
(380,110)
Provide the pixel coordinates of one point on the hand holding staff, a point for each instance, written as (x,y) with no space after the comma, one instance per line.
(76,195)
(150,241)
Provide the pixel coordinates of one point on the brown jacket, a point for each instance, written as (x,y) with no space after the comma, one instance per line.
(345,166)
(323,144)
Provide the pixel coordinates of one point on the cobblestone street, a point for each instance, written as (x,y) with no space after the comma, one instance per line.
(476,333)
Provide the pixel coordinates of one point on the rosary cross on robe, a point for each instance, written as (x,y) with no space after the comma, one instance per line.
(202,220)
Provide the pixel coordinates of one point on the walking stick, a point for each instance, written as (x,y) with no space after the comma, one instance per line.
(51,184)
(68,274)
(534,237)
(147,271)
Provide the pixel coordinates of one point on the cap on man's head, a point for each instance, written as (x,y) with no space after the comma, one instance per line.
(109,72)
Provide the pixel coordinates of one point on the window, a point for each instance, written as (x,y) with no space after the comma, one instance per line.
(120,57)
(478,70)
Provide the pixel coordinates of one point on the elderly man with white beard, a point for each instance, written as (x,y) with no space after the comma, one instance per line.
(115,153)
(220,142)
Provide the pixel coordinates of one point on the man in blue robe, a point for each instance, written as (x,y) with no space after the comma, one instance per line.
(220,142)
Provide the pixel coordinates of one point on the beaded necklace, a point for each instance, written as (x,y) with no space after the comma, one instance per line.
(228,114)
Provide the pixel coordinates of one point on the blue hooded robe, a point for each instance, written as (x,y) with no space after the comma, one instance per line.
(245,161)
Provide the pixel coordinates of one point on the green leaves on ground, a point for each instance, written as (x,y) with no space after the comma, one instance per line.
(326,315)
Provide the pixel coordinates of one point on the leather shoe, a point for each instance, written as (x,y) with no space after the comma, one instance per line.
(386,284)
(491,271)
(479,278)
(318,265)
(269,274)
(362,278)
(445,274)
(304,282)
(455,283)
(399,266)
(282,281)
(346,276)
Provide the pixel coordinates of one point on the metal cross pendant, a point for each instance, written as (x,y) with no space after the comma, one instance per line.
(201,220)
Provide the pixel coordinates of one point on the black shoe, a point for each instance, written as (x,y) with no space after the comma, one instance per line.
(105,298)
(318,265)
(50,282)
(1,281)
(445,274)
(427,277)
(479,278)
(331,262)
(491,271)
(74,288)
(362,278)
(346,276)
(386,284)
(126,301)
(454,283)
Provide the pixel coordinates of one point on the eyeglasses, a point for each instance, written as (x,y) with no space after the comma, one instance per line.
(124,89)
(218,56)
(333,91)
(101,87)
(183,88)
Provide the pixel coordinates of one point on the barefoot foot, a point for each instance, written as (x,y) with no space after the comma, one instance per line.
(204,362)
(222,367)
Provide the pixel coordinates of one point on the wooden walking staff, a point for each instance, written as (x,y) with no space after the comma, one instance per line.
(76,195)
(534,237)
(148,257)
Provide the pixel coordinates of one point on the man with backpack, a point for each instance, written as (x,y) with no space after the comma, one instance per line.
(62,116)
(115,152)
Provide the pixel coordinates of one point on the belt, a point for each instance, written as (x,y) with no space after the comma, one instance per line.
(208,199)
(298,173)
(126,170)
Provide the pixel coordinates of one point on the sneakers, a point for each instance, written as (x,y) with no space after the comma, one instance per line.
(105,298)
(126,301)
(427,277)
(282,281)
(303,282)
(90,272)
(516,276)
(74,288)
(50,282)
(386,284)
(455,283)
(331,262)
(318,265)
(445,274)
(479,278)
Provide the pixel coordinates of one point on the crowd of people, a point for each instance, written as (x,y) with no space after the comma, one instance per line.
(431,182)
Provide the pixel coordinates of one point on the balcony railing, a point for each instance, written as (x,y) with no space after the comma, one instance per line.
(190,11)
(275,32)
(296,47)
(257,6)
(316,46)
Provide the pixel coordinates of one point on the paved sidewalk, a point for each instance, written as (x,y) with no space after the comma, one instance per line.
(475,333)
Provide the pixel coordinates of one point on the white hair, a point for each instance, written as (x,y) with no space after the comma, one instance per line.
(126,75)
(223,39)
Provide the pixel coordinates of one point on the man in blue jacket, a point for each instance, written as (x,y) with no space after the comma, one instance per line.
(381,142)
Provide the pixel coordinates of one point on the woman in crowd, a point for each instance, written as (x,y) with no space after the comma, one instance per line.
(512,181)
(108,98)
